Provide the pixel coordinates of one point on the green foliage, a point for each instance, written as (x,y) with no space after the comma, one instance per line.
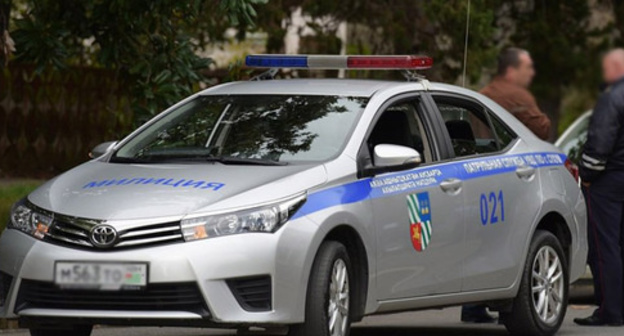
(430,27)
(237,71)
(271,18)
(618,11)
(240,9)
(152,45)
(564,46)
(560,35)
(449,24)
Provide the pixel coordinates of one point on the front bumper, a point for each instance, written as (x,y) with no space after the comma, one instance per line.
(212,266)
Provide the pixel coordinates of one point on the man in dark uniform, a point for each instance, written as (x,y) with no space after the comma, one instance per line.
(602,173)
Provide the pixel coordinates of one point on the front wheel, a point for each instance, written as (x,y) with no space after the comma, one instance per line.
(540,307)
(328,301)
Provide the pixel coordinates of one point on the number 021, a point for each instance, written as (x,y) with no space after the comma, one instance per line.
(492,208)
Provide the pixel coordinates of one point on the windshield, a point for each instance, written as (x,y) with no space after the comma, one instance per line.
(248,129)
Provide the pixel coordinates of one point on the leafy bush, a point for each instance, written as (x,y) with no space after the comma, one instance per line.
(152,45)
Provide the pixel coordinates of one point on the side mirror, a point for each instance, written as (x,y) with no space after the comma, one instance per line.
(393,155)
(390,158)
(102,149)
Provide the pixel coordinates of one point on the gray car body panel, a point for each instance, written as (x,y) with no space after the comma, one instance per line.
(466,262)
(168,190)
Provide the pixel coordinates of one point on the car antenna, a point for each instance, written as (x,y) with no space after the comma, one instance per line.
(466,45)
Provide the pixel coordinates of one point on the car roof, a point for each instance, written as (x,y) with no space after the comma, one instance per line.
(342,87)
(316,86)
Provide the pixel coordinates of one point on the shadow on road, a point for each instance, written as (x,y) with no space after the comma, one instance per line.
(429,331)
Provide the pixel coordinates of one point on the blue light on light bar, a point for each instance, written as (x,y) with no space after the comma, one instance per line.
(276,61)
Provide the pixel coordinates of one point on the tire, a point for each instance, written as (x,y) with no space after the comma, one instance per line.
(528,316)
(324,291)
(81,330)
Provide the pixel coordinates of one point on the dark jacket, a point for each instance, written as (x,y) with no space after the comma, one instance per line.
(604,149)
(521,103)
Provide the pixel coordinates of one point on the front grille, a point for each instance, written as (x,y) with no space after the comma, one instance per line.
(155,297)
(152,234)
(252,293)
(68,232)
(5,286)
(77,234)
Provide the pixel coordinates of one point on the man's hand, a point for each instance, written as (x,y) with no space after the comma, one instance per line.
(586,184)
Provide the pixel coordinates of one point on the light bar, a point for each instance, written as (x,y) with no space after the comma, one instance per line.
(392,62)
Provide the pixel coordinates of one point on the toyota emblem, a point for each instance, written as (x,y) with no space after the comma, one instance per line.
(103,236)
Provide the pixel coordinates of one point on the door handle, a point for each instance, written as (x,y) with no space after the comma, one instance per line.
(451,186)
(525,172)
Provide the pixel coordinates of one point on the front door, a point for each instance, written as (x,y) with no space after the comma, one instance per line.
(418,213)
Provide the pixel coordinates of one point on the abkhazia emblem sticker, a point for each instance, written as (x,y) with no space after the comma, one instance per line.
(420,220)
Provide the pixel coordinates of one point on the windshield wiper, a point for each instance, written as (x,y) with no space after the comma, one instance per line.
(232,160)
(121,159)
(227,160)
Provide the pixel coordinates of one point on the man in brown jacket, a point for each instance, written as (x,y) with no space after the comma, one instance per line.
(509,90)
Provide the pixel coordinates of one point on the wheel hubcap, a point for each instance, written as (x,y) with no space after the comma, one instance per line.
(547,285)
(338,311)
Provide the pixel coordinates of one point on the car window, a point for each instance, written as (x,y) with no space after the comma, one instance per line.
(468,129)
(504,135)
(401,124)
(471,129)
(276,128)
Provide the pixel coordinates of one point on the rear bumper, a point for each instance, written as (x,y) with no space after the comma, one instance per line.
(578,263)
(213,266)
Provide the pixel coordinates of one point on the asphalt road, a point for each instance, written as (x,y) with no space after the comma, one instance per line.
(428,323)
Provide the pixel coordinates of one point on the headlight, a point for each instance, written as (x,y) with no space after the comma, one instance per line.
(28,220)
(261,219)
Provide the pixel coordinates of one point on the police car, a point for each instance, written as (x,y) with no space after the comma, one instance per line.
(303,205)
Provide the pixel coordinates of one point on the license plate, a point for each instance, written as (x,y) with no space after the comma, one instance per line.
(101,276)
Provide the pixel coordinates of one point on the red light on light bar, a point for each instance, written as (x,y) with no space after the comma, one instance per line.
(389,62)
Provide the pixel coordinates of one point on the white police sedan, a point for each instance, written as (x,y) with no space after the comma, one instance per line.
(302,204)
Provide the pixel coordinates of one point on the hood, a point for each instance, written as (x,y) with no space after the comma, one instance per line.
(109,191)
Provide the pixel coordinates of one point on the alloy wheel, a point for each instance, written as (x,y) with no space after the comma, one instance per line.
(338,310)
(548,285)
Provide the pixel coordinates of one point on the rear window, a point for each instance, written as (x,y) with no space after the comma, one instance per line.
(473,129)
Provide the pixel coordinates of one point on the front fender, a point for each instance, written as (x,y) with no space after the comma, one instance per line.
(357,216)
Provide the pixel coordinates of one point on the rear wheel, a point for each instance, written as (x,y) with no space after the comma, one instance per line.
(328,301)
(540,307)
(62,331)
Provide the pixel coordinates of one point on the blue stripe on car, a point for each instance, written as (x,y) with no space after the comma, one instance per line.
(423,177)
